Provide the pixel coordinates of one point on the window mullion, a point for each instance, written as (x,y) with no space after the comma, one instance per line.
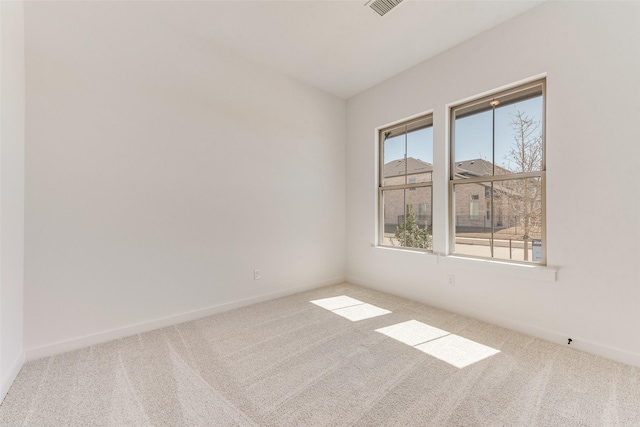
(505,177)
(407,186)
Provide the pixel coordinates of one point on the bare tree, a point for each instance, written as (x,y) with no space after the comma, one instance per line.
(522,197)
(525,154)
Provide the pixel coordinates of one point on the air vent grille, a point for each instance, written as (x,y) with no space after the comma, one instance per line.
(381,7)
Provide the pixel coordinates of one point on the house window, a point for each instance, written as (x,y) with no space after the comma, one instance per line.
(422,211)
(474,206)
(404,189)
(497,149)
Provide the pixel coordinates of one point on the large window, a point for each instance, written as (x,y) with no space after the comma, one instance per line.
(497,176)
(405,182)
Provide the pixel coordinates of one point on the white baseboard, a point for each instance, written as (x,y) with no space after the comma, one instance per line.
(9,378)
(577,343)
(114,334)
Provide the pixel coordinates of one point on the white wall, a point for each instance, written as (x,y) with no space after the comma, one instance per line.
(161,170)
(12,100)
(590,53)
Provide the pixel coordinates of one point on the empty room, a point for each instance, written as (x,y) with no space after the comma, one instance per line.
(319,213)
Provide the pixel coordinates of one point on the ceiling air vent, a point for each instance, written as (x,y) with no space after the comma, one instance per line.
(381,7)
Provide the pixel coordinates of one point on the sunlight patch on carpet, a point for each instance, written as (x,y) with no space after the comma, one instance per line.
(350,308)
(334,303)
(412,332)
(457,351)
(450,348)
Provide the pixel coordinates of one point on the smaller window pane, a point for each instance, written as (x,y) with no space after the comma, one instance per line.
(473,153)
(407,218)
(519,137)
(517,206)
(420,154)
(472,227)
(407,152)
(507,225)
(392,216)
(395,167)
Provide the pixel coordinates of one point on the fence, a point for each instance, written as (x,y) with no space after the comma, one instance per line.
(467,223)
(482,224)
(502,248)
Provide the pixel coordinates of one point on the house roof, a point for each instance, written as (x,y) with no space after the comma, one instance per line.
(413,166)
(464,169)
(477,167)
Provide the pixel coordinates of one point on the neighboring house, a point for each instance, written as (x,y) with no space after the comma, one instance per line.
(418,199)
(473,200)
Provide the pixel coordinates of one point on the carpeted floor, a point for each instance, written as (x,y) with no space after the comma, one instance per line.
(293,362)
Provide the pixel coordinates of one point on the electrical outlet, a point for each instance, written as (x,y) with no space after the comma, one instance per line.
(256,274)
(451,279)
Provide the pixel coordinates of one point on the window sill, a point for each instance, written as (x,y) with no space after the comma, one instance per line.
(526,271)
(429,256)
(535,272)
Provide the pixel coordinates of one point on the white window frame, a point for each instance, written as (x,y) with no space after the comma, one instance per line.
(495,178)
(407,186)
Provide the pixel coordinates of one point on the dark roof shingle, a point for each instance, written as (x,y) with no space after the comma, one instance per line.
(413,166)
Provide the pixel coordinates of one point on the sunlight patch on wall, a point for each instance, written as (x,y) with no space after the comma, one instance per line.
(450,348)
(350,308)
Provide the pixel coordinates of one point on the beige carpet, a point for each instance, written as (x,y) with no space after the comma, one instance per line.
(291,362)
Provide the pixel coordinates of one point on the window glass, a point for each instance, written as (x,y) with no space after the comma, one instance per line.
(499,135)
(497,146)
(395,169)
(405,209)
(407,218)
(519,136)
(420,149)
(473,150)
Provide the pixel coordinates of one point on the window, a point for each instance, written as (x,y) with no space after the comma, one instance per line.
(474,206)
(497,151)
(422,211)
(404,189)
(412,181)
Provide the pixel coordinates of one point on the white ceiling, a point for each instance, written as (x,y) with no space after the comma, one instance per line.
(342,47)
